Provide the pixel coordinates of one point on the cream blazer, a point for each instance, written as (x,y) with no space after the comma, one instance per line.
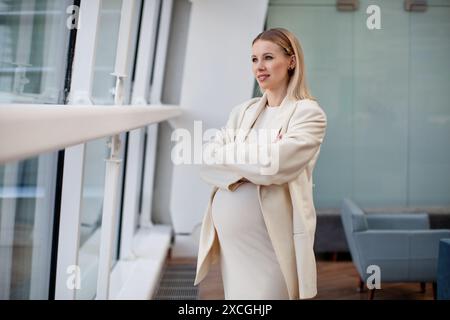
(286,197)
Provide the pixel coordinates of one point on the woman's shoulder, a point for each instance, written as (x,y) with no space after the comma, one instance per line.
(308,103)
(305,103)
(247,104)
(311,106)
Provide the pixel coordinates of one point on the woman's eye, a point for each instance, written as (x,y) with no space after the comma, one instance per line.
(266,57)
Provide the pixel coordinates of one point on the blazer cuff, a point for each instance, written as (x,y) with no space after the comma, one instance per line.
(223,179)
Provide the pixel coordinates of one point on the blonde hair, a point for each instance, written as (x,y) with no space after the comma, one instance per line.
(297,88)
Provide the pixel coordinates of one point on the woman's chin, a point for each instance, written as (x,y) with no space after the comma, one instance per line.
(263,86)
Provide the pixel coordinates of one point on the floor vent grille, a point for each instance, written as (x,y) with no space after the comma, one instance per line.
(177,283)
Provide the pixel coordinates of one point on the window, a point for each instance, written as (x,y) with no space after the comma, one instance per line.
(33,50)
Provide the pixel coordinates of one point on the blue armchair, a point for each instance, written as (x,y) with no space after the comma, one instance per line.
(443,273)
(402,245)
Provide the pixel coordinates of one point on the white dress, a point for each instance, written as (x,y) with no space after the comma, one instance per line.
(250,269)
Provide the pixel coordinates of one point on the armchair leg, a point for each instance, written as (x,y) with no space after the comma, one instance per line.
(334,256)
(423,286)
(371,294)
(360,285)
(434,290)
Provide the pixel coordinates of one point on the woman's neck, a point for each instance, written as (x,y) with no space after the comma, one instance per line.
(275,97)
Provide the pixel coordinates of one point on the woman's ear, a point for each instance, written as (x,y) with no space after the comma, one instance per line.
(293,62)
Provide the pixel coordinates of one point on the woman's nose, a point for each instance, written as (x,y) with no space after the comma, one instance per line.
(260,66)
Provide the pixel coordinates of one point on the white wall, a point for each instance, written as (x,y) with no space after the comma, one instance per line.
(216,77)
(173,77)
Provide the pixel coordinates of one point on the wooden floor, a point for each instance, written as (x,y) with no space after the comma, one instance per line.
(336,281)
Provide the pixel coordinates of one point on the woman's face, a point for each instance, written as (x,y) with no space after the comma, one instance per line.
(270,65)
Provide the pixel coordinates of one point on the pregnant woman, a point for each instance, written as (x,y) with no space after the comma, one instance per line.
(260,221)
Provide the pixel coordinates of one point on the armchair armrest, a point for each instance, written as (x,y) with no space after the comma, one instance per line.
(396,246)
(400,253)
(382,244)
(399,243)
(425,243)
(398,221)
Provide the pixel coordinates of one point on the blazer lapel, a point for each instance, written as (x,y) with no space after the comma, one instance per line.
(279,122)
(246,122)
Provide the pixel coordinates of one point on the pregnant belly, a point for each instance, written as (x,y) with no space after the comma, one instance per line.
(237,212)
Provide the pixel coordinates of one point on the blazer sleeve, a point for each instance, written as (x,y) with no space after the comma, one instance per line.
(219,176)
(291,153)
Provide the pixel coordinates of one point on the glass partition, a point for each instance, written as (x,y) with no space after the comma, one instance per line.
(385,93)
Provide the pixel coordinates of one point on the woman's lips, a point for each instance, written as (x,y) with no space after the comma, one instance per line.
(263,77)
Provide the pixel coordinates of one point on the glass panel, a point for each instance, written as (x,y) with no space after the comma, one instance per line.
(97,151)
(26,227)
(328,57)
(33,46)
(386,96)
(430,113)
(33,49)
(91,216)
(380,106)
(104,82)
